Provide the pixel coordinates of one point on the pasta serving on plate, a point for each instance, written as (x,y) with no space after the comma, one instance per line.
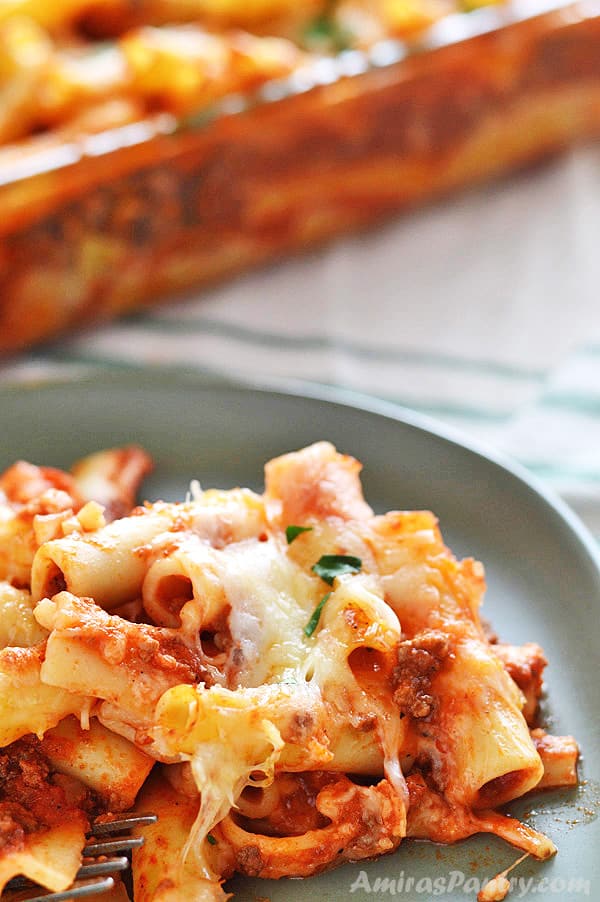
(288,680)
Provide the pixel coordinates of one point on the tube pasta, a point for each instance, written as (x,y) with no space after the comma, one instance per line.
(40,705)
(158,873)
(525,665)
(431,816)
(474,767)
(105,762)
(50,858)
(86,565)
(112,478)
(559,756)
(18,626)
(19,536)
(314,680)
(36,503)
(348,808)
(187,574)
(127,665)
(480,771)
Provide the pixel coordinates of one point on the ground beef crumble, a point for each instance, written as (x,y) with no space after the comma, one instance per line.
(419,659)
(30,799)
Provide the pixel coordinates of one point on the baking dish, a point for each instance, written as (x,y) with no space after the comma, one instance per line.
(123,218)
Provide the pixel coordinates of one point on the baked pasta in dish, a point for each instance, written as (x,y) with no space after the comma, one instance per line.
(72,68)
(288,680)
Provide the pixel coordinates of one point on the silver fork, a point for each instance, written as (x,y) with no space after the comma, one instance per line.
(86,882)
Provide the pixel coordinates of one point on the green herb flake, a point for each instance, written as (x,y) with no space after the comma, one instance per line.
(210,838)
(316,616)
(325,34)
(331,565)
(319,28)
(292,532)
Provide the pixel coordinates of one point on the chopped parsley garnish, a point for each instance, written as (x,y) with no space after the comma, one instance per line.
(292,532)
(210,838)
(331,565)
(325,34)
(316,616)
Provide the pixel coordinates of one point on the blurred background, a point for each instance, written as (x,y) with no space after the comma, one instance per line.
(228,166)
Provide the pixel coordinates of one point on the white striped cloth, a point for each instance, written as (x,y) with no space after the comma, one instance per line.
(481,310)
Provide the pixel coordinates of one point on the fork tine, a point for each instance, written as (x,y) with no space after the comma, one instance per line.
(114,845)
(124,823)
(76,892)
(110,866)
(95,868)
(86,871)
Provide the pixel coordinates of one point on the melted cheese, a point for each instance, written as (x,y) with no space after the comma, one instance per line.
(281,680)
(271,602)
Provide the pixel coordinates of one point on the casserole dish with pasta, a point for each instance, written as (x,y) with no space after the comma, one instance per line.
(149,147)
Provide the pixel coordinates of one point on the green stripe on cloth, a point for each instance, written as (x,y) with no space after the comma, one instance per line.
(281,340)
(574,402)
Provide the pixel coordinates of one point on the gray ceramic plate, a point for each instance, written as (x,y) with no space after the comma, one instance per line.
(543,571)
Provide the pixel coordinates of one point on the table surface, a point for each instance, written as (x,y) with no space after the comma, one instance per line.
(481,310)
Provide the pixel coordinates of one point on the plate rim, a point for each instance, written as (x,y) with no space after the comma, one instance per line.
(315,391)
